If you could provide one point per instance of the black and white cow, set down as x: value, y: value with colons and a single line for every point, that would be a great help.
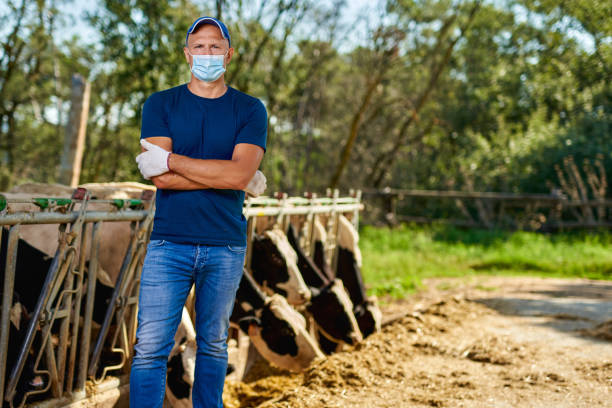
x: 274, y: 327
x: 330, y: 305
x: 276, y: 330
x: 348, y: 270
x: 274, y: 266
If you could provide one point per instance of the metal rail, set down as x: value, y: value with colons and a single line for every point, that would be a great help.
x: 58, y: 218
x: 94, y: 216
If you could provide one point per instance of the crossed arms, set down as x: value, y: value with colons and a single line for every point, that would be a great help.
x: 185, y: 173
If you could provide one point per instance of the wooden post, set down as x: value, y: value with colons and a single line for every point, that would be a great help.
x: 70, y: 167
x: 391, y: 215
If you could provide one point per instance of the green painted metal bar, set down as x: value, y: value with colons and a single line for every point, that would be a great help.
x: 51, y: 202
x: 3, y: 203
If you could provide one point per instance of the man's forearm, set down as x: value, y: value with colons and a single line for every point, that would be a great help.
x: 222, y: 174
x: 174, y: 181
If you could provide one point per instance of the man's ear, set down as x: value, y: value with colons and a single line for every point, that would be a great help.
x: 230, y: 54
x: 186, y: 52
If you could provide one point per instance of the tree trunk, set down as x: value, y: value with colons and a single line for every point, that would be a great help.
x: 381, y: 164
x: 355, y: 124
x: 220, y: 9
x: 70, y: 168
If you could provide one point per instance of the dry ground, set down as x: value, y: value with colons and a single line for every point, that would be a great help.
x: 489, y: 342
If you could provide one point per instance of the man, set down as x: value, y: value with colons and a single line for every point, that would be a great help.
x: 202, y: 141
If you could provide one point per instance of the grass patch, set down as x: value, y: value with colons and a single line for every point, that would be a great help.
x: 396, y: 260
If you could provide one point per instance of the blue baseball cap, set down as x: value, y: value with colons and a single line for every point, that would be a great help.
x: 213, y: 21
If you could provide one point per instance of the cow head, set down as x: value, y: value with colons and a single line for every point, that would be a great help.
x: 329, y: 304
x: 279, y: 334
x: 274, y: 266
x: 332, y: 310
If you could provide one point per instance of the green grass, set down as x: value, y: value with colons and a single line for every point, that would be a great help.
x: 396, y: 260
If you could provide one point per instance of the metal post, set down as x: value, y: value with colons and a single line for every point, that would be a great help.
x: 66, y: 305
x: 89, y: 304
x: 77, y: 308
x: 7, y: 300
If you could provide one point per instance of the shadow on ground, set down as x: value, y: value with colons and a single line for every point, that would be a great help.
x: 582, y: 309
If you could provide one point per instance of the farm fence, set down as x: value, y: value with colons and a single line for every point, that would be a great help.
x: 539, y: 212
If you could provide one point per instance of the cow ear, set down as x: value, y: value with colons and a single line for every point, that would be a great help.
x: 245, y: 322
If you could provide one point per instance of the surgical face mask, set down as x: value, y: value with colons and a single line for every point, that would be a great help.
x: 208, y: 68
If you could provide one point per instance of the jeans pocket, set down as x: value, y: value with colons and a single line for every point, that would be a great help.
x: 237, y: 249
x: 156, y: 243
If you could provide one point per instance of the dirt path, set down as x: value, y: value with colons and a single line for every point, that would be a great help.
x: 490, y: 342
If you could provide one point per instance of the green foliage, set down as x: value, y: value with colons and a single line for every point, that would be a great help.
x: 440, y: 93
x: 396, y: 260
x: 31, y: 67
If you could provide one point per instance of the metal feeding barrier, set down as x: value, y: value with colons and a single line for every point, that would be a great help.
x: 59, y: 345
x: 59, y: 303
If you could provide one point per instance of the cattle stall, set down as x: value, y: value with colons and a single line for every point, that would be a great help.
x: 68, y: 320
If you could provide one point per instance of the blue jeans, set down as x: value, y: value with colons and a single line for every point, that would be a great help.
x: 168, y: 272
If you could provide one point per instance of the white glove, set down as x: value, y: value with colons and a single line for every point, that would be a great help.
x: 257, y: 185
x: 152, y: 162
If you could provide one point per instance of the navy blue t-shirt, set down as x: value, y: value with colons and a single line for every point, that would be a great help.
x: 203, y: 128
